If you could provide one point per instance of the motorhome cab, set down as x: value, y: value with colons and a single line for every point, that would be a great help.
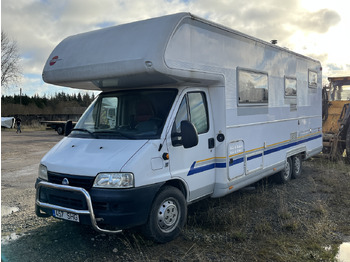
x: 189, y: 109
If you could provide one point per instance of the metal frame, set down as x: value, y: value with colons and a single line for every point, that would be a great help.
x: 80, y: 190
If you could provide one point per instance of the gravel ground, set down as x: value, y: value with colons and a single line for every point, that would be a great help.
x: 268, y: 222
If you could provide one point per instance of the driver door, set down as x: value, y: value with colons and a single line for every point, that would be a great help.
x: 195, y: 165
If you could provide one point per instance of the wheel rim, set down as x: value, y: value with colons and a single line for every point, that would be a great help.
x: 168, y: 215
x: 297, y: 164
x: 287, y: 170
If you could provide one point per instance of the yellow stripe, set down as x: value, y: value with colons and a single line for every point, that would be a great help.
x: 285, y: 141
x: 236, y: 154
x: 199, y: 161
x: 259, y: 148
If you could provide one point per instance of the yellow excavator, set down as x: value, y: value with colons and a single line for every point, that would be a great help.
x: 336, y: 118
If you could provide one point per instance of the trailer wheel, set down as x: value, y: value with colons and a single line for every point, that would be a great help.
x: 297, y: 166
x: 60, y: 130
x: 167, y: 216
x: 285, y: 175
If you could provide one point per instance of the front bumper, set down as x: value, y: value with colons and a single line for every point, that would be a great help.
x: 120, y: 208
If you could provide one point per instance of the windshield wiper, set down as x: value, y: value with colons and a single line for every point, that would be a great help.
x: 84, y: 130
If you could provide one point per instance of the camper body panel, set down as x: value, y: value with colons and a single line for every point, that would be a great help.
x: 262, y: 135
x: 253, y: 106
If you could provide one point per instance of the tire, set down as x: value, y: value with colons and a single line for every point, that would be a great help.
x: 60, y: 130
x: 167, y: 216
x: 285, y: 175
x: 296, y: 166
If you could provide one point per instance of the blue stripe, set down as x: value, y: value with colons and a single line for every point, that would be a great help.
x: 255, y: 156
x: 200, y: 169
x: 236, y: 161
x: 196, y: 170
x: 220, y: 165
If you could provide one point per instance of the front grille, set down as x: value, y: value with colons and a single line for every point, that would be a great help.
x: 63, y: 198
x: 77, y: 181
x: 70, y: 199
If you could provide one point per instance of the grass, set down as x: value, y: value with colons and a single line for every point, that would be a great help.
x: 292, y: 222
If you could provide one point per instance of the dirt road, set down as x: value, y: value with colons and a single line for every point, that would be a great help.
x: 305, y: 220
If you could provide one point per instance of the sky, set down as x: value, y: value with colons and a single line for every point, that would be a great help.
x: 315, y: 28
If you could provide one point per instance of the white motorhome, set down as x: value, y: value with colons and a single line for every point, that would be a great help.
x: 189, y: 109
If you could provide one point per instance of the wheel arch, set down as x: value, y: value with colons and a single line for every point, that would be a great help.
x: 179, y: 184
x: 298, y: 151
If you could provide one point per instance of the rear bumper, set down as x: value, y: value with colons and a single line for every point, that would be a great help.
x: 120, y: 208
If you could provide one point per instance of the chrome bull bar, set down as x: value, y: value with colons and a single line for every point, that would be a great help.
x: 80, y: 190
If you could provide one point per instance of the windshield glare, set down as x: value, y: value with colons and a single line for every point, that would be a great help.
x: 137, y: 114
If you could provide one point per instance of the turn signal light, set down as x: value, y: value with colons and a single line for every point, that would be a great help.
x: 166, y: 156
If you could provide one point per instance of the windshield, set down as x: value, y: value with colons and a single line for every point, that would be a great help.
x: 136, y: 114
x: 340, y: 93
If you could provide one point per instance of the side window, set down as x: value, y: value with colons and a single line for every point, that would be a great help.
x: 252, y: 87
x: 290, y: 87
x: 181, y: 115
x: 312, y: 79
x: 199, y: 112
x: 193, y: 108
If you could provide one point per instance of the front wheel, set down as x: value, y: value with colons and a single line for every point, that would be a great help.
x: 167, y: 216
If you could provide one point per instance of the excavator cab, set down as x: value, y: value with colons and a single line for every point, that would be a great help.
x: 336, y: 118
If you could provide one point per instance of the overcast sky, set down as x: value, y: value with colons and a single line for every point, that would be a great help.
x: 316, y: 28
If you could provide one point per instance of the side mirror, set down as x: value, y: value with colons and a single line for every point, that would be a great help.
x: 188, y: 136
x: 68, y: 127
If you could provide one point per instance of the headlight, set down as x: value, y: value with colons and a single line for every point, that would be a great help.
x: 114, y: 180
x: 42, y: 172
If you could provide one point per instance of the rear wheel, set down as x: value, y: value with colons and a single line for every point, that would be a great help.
x: 167, y: 216
x: 285, y: 175
x: 60, y: 130
x: 297, y: 166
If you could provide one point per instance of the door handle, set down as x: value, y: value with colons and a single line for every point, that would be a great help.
x: 211, y: 143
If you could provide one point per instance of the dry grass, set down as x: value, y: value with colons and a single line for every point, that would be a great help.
x: 293, y: 222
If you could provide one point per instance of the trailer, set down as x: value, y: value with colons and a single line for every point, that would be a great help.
x: 8, y: 122
x: 189, y: 109
x: 58, y: 126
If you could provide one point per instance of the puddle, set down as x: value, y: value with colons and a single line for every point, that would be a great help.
x: 6, y: 210
x: 344, y: 252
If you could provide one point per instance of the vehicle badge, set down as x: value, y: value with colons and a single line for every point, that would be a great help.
x: 65, y: 181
